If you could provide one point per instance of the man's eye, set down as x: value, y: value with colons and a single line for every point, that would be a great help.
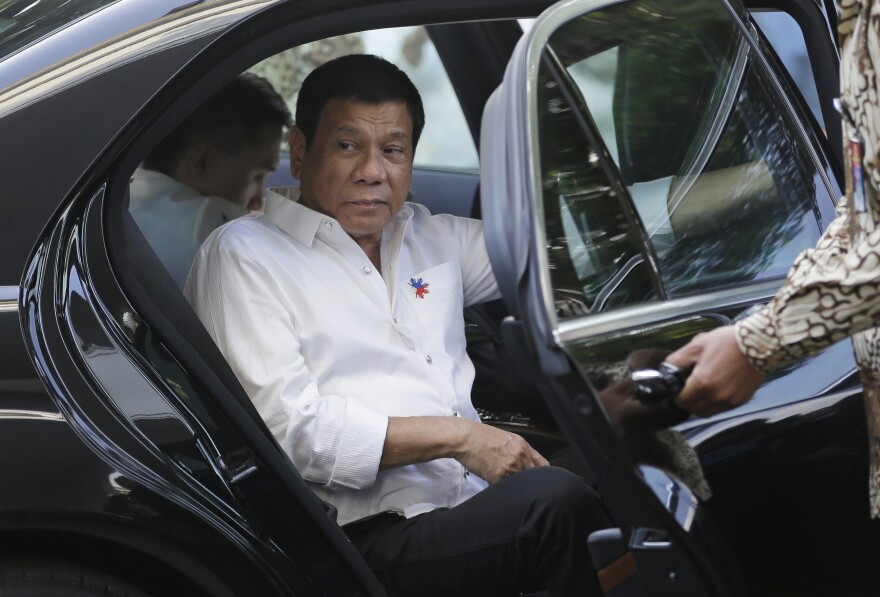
x: 393, y: 150
x: 345, y: 145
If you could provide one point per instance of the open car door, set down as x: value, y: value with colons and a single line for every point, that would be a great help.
x: 648, y: 174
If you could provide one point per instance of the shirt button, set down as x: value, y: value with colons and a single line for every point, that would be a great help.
x: 455, y: 413
x: 466, y: 473
x: 429, y: 359
x: 328, y: 224
x: 367, y: 269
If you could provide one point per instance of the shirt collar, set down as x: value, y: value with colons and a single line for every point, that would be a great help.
x: 284, y: 210
x: 302, y: 223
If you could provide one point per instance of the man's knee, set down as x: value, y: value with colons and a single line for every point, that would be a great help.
x: 559, y: 494
x: 556, y: 484
x: 553, y: 533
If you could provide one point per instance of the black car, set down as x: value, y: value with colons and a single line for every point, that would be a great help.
x: 647, y: 170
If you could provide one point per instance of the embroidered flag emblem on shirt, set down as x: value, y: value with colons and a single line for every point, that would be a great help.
x: 420, y: 286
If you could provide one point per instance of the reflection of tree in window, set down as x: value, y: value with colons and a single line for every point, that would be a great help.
x: 691, y: 121
x: 770, y: 191
x: 286, y: 71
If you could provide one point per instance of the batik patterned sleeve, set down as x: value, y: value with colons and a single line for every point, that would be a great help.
x: 833, y: 290
x: 805, y: 315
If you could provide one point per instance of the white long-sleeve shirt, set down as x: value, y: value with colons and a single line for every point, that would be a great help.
x: 328, y: 349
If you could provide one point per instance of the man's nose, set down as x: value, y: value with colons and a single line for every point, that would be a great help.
x: 371, y: 168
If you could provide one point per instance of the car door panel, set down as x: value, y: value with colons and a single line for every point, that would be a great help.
x: 589, y: 279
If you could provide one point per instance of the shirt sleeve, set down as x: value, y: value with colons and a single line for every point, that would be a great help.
x: 832, y: 291
x: 334, y: 441
x: 477, y: 276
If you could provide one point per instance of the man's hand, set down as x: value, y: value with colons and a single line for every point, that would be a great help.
x: 490, y: 453
x: 721, y: 377
x: 493, y: 454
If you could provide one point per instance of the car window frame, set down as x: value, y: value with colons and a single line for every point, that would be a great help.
x: 572, y: 330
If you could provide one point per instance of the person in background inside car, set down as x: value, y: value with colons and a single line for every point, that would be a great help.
x: 833, y: 290
x: 209, y: 170
x: 340, y: 311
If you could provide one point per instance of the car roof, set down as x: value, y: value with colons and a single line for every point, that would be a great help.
x: 95, y: 28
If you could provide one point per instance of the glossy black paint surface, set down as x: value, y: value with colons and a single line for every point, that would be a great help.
x: 791, y: 493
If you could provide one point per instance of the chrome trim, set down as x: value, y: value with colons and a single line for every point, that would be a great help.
x: 30, y: 414
x: 9, y: 298
x: 242, y: 472
x: 652, y: 313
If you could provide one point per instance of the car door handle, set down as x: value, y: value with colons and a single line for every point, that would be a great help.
x: 656, y: 385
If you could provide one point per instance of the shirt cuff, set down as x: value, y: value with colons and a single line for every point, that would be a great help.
x: 757, y: 340
x: 360, y: 447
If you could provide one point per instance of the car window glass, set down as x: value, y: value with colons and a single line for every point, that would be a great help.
x: 723, y: 184
x: 25, y: 21
x: 446, y: 142
x: 594, y: 251
x: 787, y: 39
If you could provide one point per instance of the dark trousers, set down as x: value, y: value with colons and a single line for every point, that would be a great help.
x: 527, y: 532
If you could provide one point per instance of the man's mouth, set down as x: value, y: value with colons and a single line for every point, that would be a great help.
x: 368, y: 202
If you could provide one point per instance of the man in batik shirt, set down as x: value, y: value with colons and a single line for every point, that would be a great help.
x: 833, y: 290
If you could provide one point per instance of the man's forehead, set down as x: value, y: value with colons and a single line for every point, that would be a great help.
x: 348, y: 114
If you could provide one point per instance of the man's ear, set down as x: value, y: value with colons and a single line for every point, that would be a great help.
x: 297, y: 143
x: 198, y: 160
x: 192, y: 165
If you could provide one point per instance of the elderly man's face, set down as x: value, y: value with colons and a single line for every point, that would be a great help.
x: 358, y: 167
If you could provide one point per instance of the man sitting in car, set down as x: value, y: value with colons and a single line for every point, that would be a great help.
x: 340, y: 311
x: 209, y: 170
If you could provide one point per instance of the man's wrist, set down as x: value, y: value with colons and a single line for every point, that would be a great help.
x: 459, y: 434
